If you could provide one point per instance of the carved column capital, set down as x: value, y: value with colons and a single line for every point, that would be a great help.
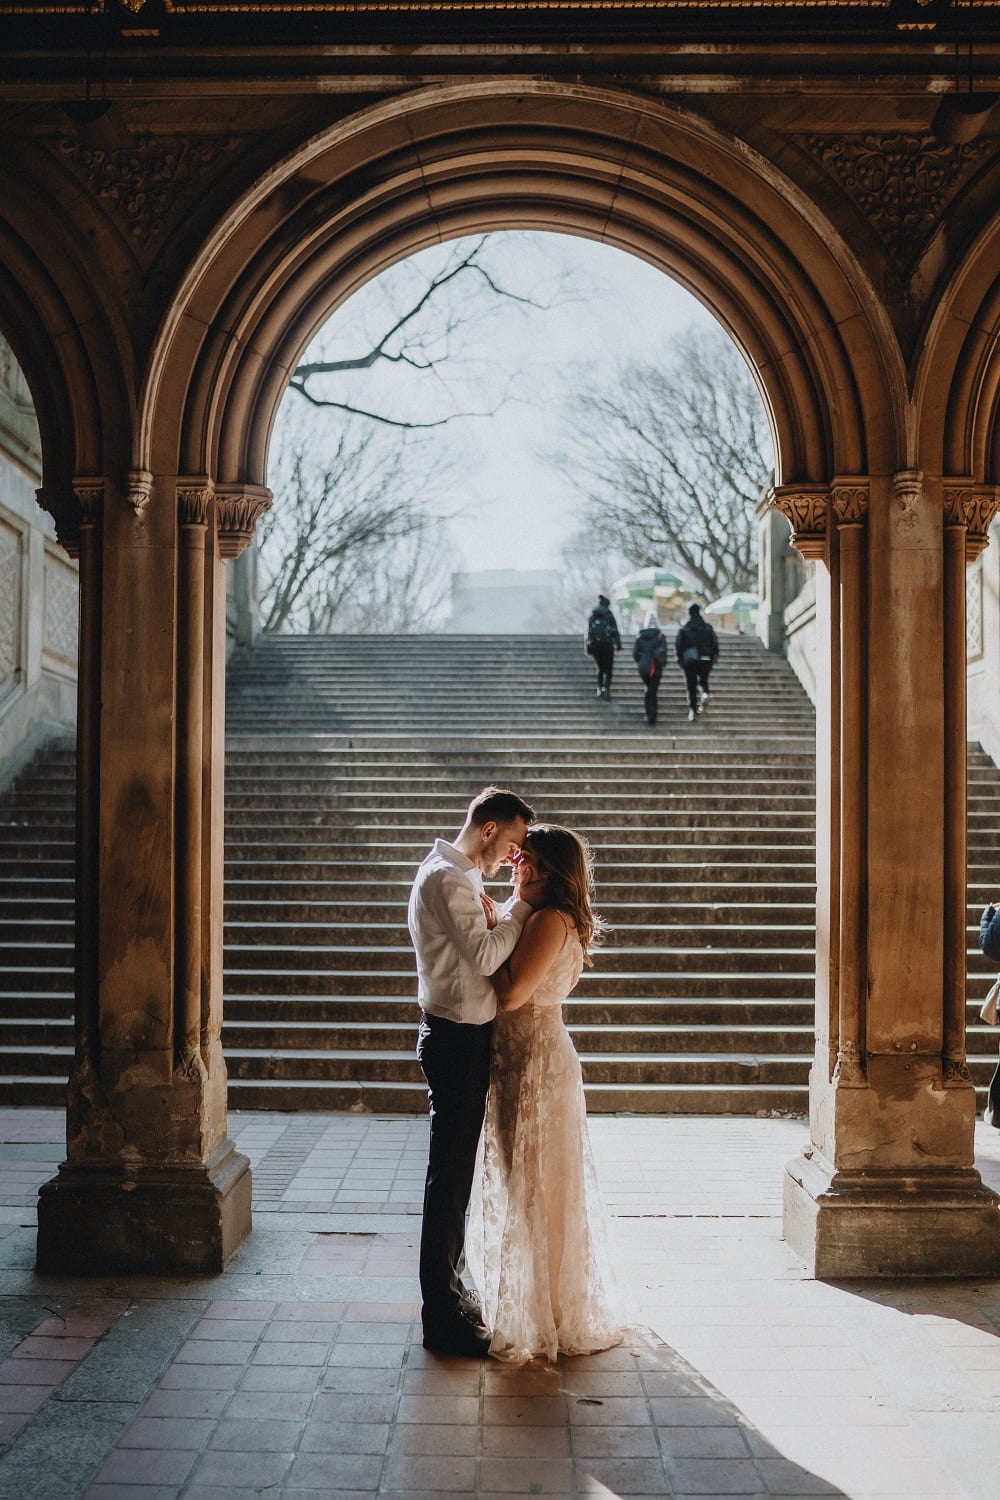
x: 74, y: 508
x: 194, y: 501
x: 805, y: 508
x: 139, y: 489
x: 974, y: 507
x: 238, y: 508
x: 849, y: 499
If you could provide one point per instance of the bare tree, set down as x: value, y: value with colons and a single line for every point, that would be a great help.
x: 671, y: 459
x: 585, y: 571
x: 413, y: 328
x: 335, y: 524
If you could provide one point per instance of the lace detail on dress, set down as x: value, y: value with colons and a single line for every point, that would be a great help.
x: 537, y: 1240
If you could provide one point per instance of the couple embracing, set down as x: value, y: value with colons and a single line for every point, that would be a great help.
x: 508, y: 1124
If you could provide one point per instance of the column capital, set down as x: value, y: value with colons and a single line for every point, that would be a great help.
x: 194, y: 500
x: 849, y: 496
x: 973, y: 506
x: 74, y: 507
x: 238, y: 508
x: 805, y: 507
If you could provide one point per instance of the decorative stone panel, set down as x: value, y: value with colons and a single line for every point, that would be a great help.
x: 11, y: 555
x: 974, y: 610
x: 60, y: 640
x: 901, y: 183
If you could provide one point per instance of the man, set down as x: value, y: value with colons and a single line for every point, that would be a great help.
x: 697, y: 649
x: 460, y: 938
x: 601, y: 643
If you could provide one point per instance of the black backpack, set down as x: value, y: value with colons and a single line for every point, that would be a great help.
x: 600, y: 632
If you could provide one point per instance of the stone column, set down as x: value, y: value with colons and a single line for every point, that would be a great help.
x: 151, y: 1182
x: 887, y: 1186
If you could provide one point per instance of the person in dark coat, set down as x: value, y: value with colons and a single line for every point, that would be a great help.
x: 989, y: 942
x: 697, y: 652
x: 601, y: 643
x: 649, y: 652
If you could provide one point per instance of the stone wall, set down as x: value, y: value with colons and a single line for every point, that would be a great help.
x: 39, y: 595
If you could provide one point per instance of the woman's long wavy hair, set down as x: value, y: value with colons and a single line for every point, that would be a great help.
x: 564, y: 862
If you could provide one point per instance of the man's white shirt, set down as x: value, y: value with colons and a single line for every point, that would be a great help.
x: 456, y: 950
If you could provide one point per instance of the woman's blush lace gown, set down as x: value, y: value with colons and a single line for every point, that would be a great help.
x: 538, y: 1237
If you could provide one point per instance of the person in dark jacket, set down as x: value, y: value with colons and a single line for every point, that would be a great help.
x: 601, y: 643
x: 989, y: 942
x: 697, y: 652
x: 649, y: 651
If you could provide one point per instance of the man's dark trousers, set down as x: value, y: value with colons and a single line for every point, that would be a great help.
x: 456, y: 1063
x: 696, y: 673
x: 603, y: 658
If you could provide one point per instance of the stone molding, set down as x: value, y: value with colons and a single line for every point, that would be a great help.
x: 805, y: 507
x: 238, y: 508
x: 194, y: 501
x: 849, y: 1071
x: 974, y: 507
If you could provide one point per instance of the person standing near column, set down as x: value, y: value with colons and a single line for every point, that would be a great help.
x: 460, y: 938
x: 602, y: 641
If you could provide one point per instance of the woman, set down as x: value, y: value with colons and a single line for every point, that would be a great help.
x: 649, y: 651
x: 538, y: 1231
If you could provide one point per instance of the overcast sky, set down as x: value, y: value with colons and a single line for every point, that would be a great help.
x: 513, y: 509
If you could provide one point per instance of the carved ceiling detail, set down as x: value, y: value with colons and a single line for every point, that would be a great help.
x: 143, y: 181
x: 901, y: 183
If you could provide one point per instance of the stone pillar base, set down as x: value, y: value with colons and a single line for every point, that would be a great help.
x: 169, y: 1220
x: 890, y: 1223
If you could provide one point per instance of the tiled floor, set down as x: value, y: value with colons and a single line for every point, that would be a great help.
x: 298, y: 1374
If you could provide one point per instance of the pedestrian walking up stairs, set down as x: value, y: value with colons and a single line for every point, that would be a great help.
x: 700, y: 1000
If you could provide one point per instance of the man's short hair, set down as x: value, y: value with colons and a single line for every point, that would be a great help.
x: 494, y: 804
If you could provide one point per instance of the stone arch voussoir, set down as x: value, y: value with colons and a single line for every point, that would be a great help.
x: 442, y: 163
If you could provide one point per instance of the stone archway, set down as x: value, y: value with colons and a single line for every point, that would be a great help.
x: 892, y: 1103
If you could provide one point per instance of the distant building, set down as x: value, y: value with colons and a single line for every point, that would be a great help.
x: 509, y: 601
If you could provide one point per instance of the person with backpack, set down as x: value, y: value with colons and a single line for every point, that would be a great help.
x: 697, y: 651
x: 601, y: 643
x: 649, y: 652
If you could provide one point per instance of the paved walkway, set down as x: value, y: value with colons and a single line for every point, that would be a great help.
x: 299, y: 1375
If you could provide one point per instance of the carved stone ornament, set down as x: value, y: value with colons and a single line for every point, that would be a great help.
x: 901, y: 183
x: 194, y: 499
x: 73, y: 508
x: 849, y: 498
x: 907, y: 488
x: 144, y: 182
x: 974, y: 507
x: 140, y: 489
x: 805, y: 508
x: 955, y: 1070
x: 238, y: 508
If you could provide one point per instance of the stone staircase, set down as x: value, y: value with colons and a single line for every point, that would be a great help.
x: 701, y: 998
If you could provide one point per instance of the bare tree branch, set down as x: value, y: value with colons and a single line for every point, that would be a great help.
x: 671, y: 460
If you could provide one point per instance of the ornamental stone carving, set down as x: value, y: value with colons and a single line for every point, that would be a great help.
x: 907, y: 488
x: 974, y: 507
x: 850, y: 1069
x: 73, y: 508
x: 144, y: 182
x: 805, y: 508
x: 194, y: 499
x: 901, y: 183
x: 849, y: 499
x: 140, y: 489
x: 238, y: 508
